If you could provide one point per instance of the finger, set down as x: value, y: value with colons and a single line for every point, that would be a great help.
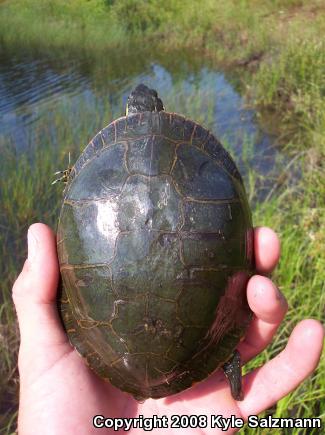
x: 269, y: 307
x: 266, y: 385
x: 34, y: 292
x: 266, y: 249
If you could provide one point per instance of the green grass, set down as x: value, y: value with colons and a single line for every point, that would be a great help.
x: 230, y: 30
x: 78, y: 25
x: 278, y: 52
x: 301, y: 277
x: 295, y: 86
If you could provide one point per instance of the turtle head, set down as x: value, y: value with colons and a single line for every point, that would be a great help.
x: 143, y: 99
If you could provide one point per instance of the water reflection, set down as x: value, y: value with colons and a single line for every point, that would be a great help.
x: 31, y: 89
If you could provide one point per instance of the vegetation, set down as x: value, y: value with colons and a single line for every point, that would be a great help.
x: 277, y: 50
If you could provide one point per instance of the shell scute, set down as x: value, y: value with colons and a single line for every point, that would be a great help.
x: 208, y: 250
x: 199, y: 135
x: 133, y: 368
x: 172, y: 126
x: 155, y: 247
x: 88, y: 237
x: 90, y: 292
x: 196, y: 176
x: 224, y: 219
x: 150, y: 155
x: 155, y: 271
x: 129, y: 315
x: 108, y: 134
x: 103, y: 178
x: 153, y: 205
x: 218, y: 152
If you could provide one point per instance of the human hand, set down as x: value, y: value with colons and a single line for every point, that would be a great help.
x: 59, y: 394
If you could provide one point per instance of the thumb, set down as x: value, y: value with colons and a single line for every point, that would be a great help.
x: 34, y: 294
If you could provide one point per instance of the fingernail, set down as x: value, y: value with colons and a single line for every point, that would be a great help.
x: 32, y: 245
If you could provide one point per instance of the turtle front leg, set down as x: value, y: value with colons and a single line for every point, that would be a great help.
x: 64, y: 178
x: 65, y: 174
x: 232, y: 370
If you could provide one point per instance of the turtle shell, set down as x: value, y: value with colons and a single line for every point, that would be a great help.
x: 155, y: 248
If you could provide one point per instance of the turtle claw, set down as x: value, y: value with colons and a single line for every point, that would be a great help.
x: 232, y: 370
x: 56, y: 181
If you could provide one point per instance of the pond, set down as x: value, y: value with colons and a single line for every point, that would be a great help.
x: 31, y: 88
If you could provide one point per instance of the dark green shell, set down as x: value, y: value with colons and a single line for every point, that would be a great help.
x: 155, y: 248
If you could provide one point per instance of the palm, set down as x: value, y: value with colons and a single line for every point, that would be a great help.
x: 57, y: 387
x: 73, y: 392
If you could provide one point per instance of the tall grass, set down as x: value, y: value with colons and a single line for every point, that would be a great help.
x: 300, y: 275
x: 295, y: 85
x: 77, y: 25
x: 231, y: 30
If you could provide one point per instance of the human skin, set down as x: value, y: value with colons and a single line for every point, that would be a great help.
x: 59, y: 394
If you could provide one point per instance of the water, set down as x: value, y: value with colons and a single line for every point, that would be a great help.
x: 30, y: 88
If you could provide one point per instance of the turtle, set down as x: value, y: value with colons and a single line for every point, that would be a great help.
x: 155, y: 245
